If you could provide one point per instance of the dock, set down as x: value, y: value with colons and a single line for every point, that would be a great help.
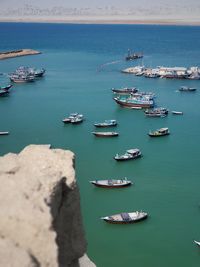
x: 18, y: 53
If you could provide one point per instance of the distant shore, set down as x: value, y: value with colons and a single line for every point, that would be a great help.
x: 18, y: 53
x: 93, y: 20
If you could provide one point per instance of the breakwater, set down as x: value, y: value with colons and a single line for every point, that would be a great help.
x: 18, y: 53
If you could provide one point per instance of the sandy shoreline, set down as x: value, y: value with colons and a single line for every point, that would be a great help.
x: 18, y: 53
x: 106, y: 21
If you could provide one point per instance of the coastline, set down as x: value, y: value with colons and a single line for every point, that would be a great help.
x: 18, y: 53
x: 105, y: 21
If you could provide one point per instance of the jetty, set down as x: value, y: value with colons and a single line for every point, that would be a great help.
x: 18, y: 53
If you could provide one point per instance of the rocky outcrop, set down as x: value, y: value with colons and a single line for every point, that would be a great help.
x: 40, y: 214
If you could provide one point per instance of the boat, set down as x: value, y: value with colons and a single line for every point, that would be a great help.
x: 135, y: 101
x: 39, y: 72
x: 197, y: 242
x: 156, y: 112
x: 5, y: 88
x: 105, y: 134
x: 125, y: 91
x: 4, y: 133
x: 129, y: 154
x: 73, y: 118
x: 187, y: 89
x: 159, y: 132
x: 22, y: 78
x: 132, y: 56
x: 112, y: 183
x: 126, y: 217
x: 106, y: 123
x: 177, y: 112
x: 4, y: 93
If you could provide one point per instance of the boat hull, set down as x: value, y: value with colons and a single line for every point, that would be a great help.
x: 133, y: 105
x: 111, y: 186
x: 125, y: 222
x: 105, y: 135
x: 157, y: 135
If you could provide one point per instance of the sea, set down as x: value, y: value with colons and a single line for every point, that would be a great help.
x: 83, y: 63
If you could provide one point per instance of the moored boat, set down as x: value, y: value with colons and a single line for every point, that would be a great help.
x: 124, y: 91
x: 133, y: 101
x: 126, y: 217
x: 73, y: 118
x: 112, y: 183
x: 156, y: 112
x: 129, y: 155
x: 197, y: 242
x: 159, y: 132
x: 105, y: 134
x: 106, y: 123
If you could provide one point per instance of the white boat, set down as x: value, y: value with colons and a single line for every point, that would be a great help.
x: 130, y: 154
x: 126, y: 217
x: 177, y: 112
x: 112, y: 183
x: 105, y: 134
x: 197, y: 242
x: 4, y: 133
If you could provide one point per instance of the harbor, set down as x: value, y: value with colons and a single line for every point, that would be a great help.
x: 165, y: 177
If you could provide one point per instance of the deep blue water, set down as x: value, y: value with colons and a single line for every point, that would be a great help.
x: 83, y: 63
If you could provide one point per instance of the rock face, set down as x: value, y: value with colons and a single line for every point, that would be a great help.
x: 40, y: 213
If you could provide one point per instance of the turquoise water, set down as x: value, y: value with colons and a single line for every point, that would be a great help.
x: 79, y: 79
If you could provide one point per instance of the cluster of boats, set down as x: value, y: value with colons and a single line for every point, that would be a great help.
x: 192, y: 73
x: 26, y: 74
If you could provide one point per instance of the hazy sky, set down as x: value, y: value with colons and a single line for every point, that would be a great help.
x: 94, y: 3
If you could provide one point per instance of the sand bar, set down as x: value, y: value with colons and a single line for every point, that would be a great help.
x: 18, y: 53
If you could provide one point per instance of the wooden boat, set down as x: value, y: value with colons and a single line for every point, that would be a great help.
x: 106, y: 123
x: 4, y: 133
x: 197, y: 242
x: 129, y: 155
x: 156, y: 112
x: 159, y: 132
x: 105, y: 134
x: 187, y: 89
x: 134, y: 102
x: 177, y: 112
x: 22, y: 78
x: 126, y: 217
x: 112, y: 183
x: 73, y: 118
x: 125, y: 91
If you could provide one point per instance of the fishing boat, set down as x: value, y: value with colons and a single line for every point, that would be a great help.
x: 22, y: 78
x: 105, y: 134
x: 39, y: 72
x: 135, y: 101
x: 156, y: 112
x: 187, y: 89
x: 73, y: 118
x: 132, y: 56
x: 177, y: 112
x: 112, y: 183
x: 125, y: 91
x: 159, y: 132
x: 129, y: 155
x: 4, y: 133
x: 197, y: 242
x: 126, y: 217
x: 106, y: 123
